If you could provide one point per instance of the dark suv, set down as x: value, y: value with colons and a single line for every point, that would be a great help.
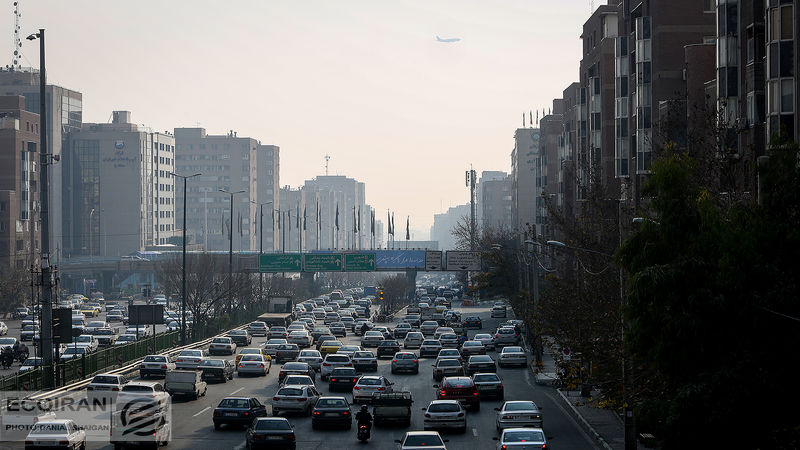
x: 388, y: 348
x: 473, y: 322
x: 462, y: 389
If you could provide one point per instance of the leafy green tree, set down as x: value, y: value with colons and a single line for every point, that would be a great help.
x: 712, y: 309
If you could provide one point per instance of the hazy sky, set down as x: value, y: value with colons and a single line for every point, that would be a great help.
x: 363, y: 81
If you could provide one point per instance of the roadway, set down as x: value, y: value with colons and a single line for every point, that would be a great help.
x: 193, y: 428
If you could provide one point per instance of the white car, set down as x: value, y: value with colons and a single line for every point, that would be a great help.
x: 253, y: 364
x: 258, y: 329
x: 94, y: 325
x: 429, y: 347
x: 295, y: 398
x: 31, y: 363
x: 368, y: 385
x: 499, y: 311
x: 333, y: 361
x: 88, y: 340
x: 150, y: 390
x: 449, y: 340
x: 173, y: 326
x: 271, y: 346
x: 157, y: 365
x: 105, y: 386
x: 518, y: 413
x: 125, y: 339
x: 429, y: 327
x: 512, y: 356
x: 63, y: 431
x: 299, y: 337
x: 189, y: 359
x: 311, y: 357
x: 73, y: 351
x: 372, y: 338
x: 222, y: 346
x: 442, y: 330
x: 442, y: 414
x: 413, y: 339
x: 421, y: 440
x: 140, y: 331
x: 505, y: 336
x: 485, y: 339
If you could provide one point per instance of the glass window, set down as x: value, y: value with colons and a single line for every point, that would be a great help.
x: 786, y: 58
x: 787, y: 96
x: 774, y: 25
x: 787, y: 29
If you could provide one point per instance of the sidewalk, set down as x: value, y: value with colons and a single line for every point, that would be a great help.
x: 604, y: 425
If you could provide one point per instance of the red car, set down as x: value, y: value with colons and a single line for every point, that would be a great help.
x: 462, y: 389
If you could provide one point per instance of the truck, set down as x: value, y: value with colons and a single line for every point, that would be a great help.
x: 392, y: 408
x: 187, y: 383
x: 282, y: 319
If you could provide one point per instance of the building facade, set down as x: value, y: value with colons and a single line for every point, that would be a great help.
x: 445, y: 223
x: 494, y: 200
x: 64, y: 115
x: 523, y: 179
x: 20, y: 230
x: 121, y: 194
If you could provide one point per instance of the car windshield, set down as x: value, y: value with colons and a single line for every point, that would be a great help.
x: 434, y: 343
x: 423, y: 440
x: 295, y: 366
x: 472, y: 344
x: 196, y: 353
x: 480, y: 359
x: 155, y: 358
x: 405, y: 356
x: 343, y: 371
x: 363, y: 355
x: 512, y: 350
x: 523, y: 436
x: 32, y: 362
x: 49, y: 428
x: 276, y: 341
x: 239, y: 403
x: 389, y: 344
x: 105, y: 379
x: 250, y: 351
x: 221, y: 341
x: 137, y: 388
x: 75, y: 351
x: 521, y: 406
x: 369, y: 382
x: 238, y: 333
x: 212, y: 363
x: 449, y: 336
x: 444, y: 407
x: 449, y: 353
x: 331, y: 403
x: 337, y: 359
x: 486, y: 377
x: 272, y: 424
x: 251, y: 358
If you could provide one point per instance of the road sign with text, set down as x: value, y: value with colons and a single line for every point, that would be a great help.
x: 359, y: 262
x: 469, y: 261
x: 433, y: 260
x: 322, y: 262
x: 280, y: 262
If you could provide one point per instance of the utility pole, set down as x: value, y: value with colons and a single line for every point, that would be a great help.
x: 48, y: 272
x: 230, y: 248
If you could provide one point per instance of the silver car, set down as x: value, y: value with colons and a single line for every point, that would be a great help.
x: 253, y: 364
x: 512, y: 356
x: 518, y: 413
x: 372, y: 338
x: 445, y: 414
x: 485, y: 339
x: 405, y: 362
x: 311, y: 357
x: 521, y: 439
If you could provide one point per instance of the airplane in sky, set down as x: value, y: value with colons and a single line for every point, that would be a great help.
x: 438, y: 39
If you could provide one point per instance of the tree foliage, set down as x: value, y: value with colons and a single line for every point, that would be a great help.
x: 712, y: 309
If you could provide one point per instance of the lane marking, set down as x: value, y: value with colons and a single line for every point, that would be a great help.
x: 238, y: 390
x: 202, y: 411
x: 475, y: 432
x: 239, y: 447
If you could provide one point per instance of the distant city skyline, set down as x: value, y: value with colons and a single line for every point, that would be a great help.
x: 365, y: 82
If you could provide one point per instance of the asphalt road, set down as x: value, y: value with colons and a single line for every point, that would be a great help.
x: 193, y: 428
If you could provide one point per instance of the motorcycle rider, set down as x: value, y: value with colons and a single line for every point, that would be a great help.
x: 363, y: 417
x: 7, y: 357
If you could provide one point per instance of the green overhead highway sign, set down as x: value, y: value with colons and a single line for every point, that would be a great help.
x: 280, y: 262
x: 359, y: 262
x: 322, y: 262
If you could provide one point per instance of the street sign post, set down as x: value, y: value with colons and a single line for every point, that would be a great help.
x: 280, y: 262
x: 463, y: 261
x: 359, y: 262
x: 433, y: 260
x: 322, y: 262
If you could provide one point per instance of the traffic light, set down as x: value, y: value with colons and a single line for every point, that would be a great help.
x: 62, y: 325
x: 380, y: 295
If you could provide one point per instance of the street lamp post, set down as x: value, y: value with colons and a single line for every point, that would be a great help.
x: 91, y: 244
x: 261, y: 247
x: 183, y: 266
x: 230, y: 248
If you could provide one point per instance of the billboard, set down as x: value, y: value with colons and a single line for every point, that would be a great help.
x: 145, y: 314
x: 400, y: 259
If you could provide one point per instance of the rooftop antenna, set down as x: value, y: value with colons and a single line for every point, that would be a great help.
x: 327, y: 158
x: 15, y: 57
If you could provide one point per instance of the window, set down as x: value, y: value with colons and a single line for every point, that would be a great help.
x: 708, y: 6
x: 787, y: 96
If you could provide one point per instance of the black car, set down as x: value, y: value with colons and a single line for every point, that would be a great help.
x: 238, y: 411
x: 271, y: 432
x: 342, y: 378
x: 240, y: 337
x: 331, y: 411
x: 480, y: 363
x: 287, y: 352
x: 388, y: 348
x: 296, y: 368
x: 216, y: 369
x: 473, y: 322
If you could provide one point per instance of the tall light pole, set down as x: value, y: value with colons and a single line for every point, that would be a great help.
x: 91, y: 244
x: 47, y: 271
x: 183, y: 265
x: 261, y: 247
x: 230, y: 248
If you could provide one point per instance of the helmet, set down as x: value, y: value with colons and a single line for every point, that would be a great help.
x: 364, y: 408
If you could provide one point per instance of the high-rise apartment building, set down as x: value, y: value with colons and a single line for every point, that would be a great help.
x: 548, y: 167
x: 293, y: 205
x: 445, y: 223
x: 494, y: 200
x: 120, y: 195
x: 348, y: 197
x: 523, y: 179
x: 20, y: 232
x: 64, y: 115
x: 227, y: 163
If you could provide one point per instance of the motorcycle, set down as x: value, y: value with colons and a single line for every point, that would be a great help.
x: 363, y: 433
x: 7, y: 360
x: 20, y: 356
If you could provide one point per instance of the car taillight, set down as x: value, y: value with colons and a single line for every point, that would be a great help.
x: 301, y: 400
x: 28, y: 442
x: 346, y: 413
x: 89, y: 388
x: 163, y: 367
x: 245, y: 413
x: 333, y: 379
x: 141, y: 366
x: 291, y: 437
x: 348, y: 364
x: 394, y: 360
x: 63, y: 442
x: 442, y: 393
x: 316, y: 413
x: 116, y: 389
x: 216, y: 413
x: 381, y: 388
x: 503, y: 447
x: 357, y: 388
x: 258, y: 437
x: 275, y: 398
x: 427, y: 415
x: 241, y: 365
x: 354, y: 380
x: 415, y: 360
x: 325, y: 364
